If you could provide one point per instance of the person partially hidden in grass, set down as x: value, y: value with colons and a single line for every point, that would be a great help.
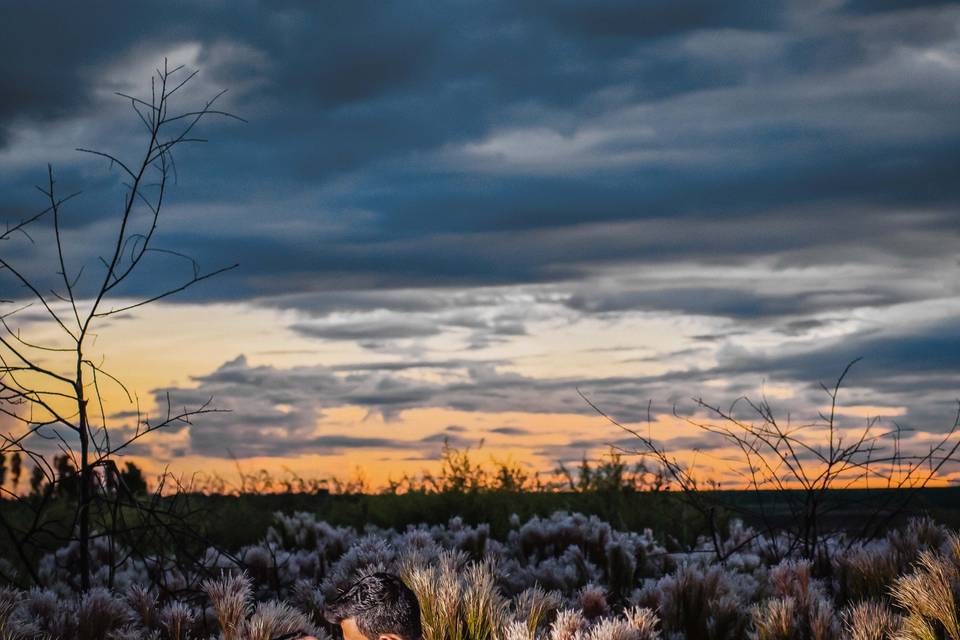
x: 376, y: 607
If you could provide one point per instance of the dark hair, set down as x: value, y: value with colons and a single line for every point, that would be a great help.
x: 379, y: 603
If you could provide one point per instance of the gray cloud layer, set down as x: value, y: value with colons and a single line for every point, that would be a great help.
x: 474, y: 168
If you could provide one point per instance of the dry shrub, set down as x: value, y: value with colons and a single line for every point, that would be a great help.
x: 537, y: 608
x: 775, y: 620
x: 929, y: 595
x: 131, y: 632
x: 438, y: 588
x: 700, y: 603
x: 275, y: 618
x: 178, y: 619
x: 9, y: 601
x: 516, y: 630
x: 232, y: 600
x: 46, y: 615
x: 569, y: 624
x: 822, y: 620
x: 870, y: 620
x: 636, y: 624
x: 310, y: 600
x: 785, y: 619
x: 100, y: 613
x: 920, y: 534
x: 612, y: 629
x: 144, y: 602
x: 644, y: 621
x: 866, y: 571
x: 460, y: 600
x: 621, y: 566
x: 501, y: 596
x: 799, y: 608
x: 484, y: 608
x: 726, y: 620
x: 593, y: 601
x: 449, y: 596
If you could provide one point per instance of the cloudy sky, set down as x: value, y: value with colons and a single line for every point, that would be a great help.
x: 451, y: 217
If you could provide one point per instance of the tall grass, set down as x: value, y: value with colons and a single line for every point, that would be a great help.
x: 930, y: 594
x: 549, y: 579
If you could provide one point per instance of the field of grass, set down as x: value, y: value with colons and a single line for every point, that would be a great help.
x: 243, y: 519
x: 617, y: 565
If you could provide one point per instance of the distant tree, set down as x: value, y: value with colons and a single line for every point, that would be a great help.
x: 66, y: 482
x: 132, y: 479
x: 611, y: 474
x: 510, y: 477
x: 37, y: 481
x: 16, y: 469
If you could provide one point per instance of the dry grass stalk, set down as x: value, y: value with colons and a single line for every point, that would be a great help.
x: 568, y: 625
x: 99, y: 613
x: 9, y: 601
x: 774, y: 619
x: 644, y: 621
x: 927, y: 595
x: 232, y: 599
x: 178, y: 619
x: 822, y: 620
x: 275, y: 618
x: 870, y: 620
x: 439, y: 589
x: 144, y: 602
x: 484, y: 608
x: 537, y: 608
x: 516, y: 630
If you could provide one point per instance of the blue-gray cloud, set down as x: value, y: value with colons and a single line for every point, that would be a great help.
x: 713, y: 111
x: 779, y: 170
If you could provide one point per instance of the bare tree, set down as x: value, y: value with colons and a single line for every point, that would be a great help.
x: 796, y: 471
x: 52, y: 391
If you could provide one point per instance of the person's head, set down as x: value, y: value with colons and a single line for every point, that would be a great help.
x: 376, y: 607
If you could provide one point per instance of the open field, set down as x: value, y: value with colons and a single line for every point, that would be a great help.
x: 243, y: 519
x: 232, y: 521
x: 509, y: 566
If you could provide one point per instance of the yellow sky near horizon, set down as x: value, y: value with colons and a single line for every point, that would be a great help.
x: 169, y: 346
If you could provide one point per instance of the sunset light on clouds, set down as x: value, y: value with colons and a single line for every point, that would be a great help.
x: 451, y: 224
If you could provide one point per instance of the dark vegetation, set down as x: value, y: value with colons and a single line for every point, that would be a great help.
x: 628, y: 496
x: 238, y: 520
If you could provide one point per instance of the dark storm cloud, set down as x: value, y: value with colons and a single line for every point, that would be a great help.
x: 734, y: 303
x: 886, y: 6
x: 387, y: 95
x: 407, y: 161
x: 606, y: 19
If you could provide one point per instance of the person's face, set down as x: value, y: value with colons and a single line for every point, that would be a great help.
x: 352, y: 632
